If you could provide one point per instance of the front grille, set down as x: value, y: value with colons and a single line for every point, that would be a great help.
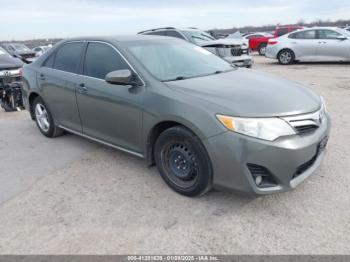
x: 8, y: 80
x: 307, y: 123
x: 25, y: 56
x: 236, y: 51
x: 306, y: 129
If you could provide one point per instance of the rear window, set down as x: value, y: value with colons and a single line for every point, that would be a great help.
x: 49, y: 61
x: 282, y: 31
x: 311, y: 34
x: 68, y: 57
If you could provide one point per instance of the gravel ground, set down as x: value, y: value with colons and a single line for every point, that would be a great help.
x: 72, y: 196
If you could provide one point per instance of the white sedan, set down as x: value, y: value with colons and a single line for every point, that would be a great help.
x: 318, y: 44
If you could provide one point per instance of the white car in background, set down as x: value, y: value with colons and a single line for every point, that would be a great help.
x: 317, y: 44
x: 40, y: 50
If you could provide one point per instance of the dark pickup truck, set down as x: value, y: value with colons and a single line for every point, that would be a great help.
x: 10, y: 81
x: 20, y: 51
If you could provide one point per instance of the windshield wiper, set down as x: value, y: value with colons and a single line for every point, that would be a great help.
x: 175, y: 79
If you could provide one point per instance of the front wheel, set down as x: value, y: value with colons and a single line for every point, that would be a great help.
x: 183, y: 162
x: 286, y: 57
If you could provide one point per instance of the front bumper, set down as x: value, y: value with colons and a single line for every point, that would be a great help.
x: 272, y: 51
x: 240, y: 61
x: 231, y: 153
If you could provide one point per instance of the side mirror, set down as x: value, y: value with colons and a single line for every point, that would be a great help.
x: 120, y: 77
x: 341, y: 37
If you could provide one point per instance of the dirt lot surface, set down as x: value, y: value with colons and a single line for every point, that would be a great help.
x: 72, y: 196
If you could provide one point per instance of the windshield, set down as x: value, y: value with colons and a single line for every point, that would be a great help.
x: 20, y: 47
x: 3, y: 52
x: 345, y: 32
x: 177, y: 60
x: 198, y: 37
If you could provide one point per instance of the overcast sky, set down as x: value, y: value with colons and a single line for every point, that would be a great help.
x: 27, y: 19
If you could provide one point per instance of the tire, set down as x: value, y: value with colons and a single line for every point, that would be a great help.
x: 262, y: 49
x: 44, y: 119
x: 183, y: 162
x: 286, y: 57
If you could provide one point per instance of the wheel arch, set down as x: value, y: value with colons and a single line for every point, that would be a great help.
x: 32, y: 96
x: 160, y: 127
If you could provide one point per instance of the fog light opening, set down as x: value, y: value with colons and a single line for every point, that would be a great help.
x: 258, y: 180
x: 261, y: 176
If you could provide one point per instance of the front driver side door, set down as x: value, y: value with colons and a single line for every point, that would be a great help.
x: 304, y: 45
x: 111, y: 113
x: 331, y: 48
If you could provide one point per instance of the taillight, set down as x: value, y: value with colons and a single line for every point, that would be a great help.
x: 272, y: 42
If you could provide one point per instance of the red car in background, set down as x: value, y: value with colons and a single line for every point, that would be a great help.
x: 258, y: 41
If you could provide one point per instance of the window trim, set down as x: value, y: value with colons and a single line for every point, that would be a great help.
x: 319, y: 34
x: 121, y: 55
x: 82, y: 60
x: 176, y: 31
x: 298, y: 32
x: 79, y: 64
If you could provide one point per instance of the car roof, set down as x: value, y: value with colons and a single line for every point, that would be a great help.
x: 171, y: 28
x: 117, y: 38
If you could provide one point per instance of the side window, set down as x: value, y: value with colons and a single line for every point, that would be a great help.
x: 282, y: 31
x: 68, y: 57
x: 311, y: 34
x: 10, y: 48
x: 254, y: 36
x: 328, y: 34
x: 173, y: 33
x: 49, y: 61
x: 102, y: 59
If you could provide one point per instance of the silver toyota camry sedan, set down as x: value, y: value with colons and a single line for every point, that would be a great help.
x: 317, y: 44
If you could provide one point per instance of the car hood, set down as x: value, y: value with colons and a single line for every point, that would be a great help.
x: 8, y: 62
x: 225, y: 41
x: 249, y: 93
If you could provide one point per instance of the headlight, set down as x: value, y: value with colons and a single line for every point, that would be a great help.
x: 263, y: 128
x: 324, y: 108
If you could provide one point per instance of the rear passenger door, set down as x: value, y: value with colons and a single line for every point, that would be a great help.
x: 304, y: 45
x: 111, y: 113
x: 57, y: 80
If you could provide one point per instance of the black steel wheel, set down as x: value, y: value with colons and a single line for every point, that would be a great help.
x: 183, y: 161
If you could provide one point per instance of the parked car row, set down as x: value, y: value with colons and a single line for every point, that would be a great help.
x: 235, y: 51
x: 259, y: 41
x: 318, y: 44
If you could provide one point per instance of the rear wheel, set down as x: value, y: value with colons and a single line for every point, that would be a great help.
x: 286, y: 57
x: 262, y: 49
x: 183, y: 162
x: 44, y: 120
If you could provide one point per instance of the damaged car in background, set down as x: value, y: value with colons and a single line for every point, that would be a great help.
x: 20, y: 51
x: 235, y: 51
x: 10, y: 82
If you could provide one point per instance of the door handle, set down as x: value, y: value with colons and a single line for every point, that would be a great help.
x: 42, y: 77
x: 82, y: 88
